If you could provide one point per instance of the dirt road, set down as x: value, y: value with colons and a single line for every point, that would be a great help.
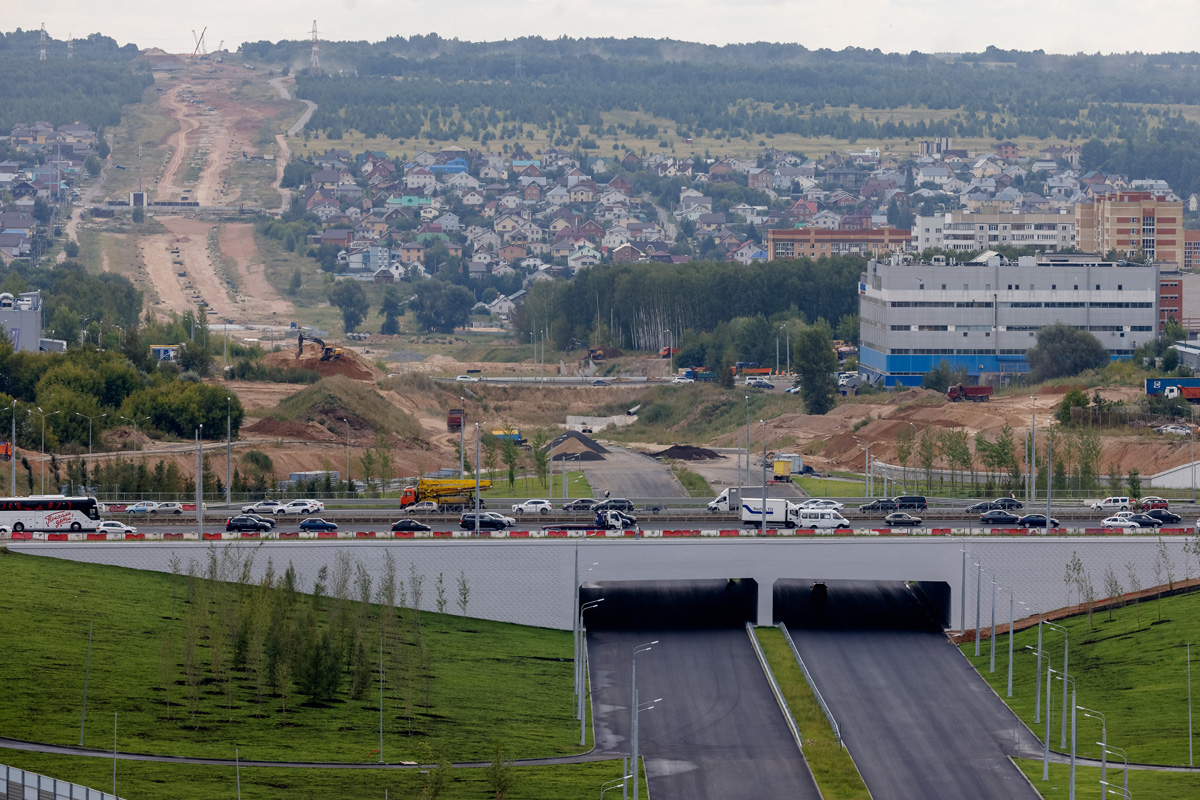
x: 285, y: 151
x: 260, y: 299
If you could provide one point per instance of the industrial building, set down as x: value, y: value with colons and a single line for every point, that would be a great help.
x: 21, y: 318
x: 982, y: 315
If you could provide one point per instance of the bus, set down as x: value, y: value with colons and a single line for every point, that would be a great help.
x: 52, y: 513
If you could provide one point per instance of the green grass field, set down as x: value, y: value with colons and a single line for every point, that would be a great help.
x: 830, y: 487
x: 1131, y: 668
x: 1142, y: 783
x: 831, y: 764
x: 487, y: 680
x: 695, y: 484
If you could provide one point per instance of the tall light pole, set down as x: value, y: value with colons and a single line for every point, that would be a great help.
x: 462, y: 462
x: 1066, y: 654
x: 347, y: 457
x: 1121, y: 754
x: 43, y: 414
x: 747, y: 440
x: 633, y: 733
x: 228, y: 449
x: 1092, y: 714
x: 583, y: 669
x: 12, y: 467
x: 89, y: 419
x: 763, y: 521
x: 670, y: 353
x: 135, y: 421
x: 978, y: 598
x: 1062, y: 676
x: 200, y: 481
x: 1032, y: 450
x: 476, y: 480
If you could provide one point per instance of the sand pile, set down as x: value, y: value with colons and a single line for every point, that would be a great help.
x: 686, y: 452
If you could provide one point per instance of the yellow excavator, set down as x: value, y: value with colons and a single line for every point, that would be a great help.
x: 328, y: 353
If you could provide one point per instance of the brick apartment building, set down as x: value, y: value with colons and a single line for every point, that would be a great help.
x: 822, y: 242
x: 1132, y: 222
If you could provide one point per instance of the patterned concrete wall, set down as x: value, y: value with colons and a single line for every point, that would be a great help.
x: 529, y: 582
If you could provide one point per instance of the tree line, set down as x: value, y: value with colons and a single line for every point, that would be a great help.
x: 62, y: 91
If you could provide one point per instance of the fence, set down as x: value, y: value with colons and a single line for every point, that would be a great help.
x: 25, y: 785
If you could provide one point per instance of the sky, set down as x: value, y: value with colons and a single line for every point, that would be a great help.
x: 1057, y: 26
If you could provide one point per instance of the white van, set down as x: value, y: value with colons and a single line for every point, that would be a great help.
x: 1113, y: 503
x: 821, y: 518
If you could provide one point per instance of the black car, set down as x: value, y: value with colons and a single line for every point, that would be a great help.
x: 580, y: 504
x: 317, y: 524
x: 488, y: 521
x: 270, y: 523
x: 1036, y: 521
x: 244, y: 522
x: 1164, y: 516
x: 614, y: 504
x: 410, y: 525
x: 884, y: 505
x: 1145, y: 520
x: 1001, y: 504
x: 911, y: 502
x: 999, y: 516
x: 901, y: 518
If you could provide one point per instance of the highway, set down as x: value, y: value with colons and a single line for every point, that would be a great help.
x: 914, y: 715
x: 717, y: 732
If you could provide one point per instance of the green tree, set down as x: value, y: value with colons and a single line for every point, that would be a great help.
x: 1062, y: 350
x: 139, y: 215
x: 510, y: 455
x: 943, y: 376
x: 501, y: 776
x: 390, y: 306
x: 541, y: 455
x: 441, y: 306
x: 815, y: 364
x: 295, y: 283
x: 350, y: 297
x: 927, y: 450
x: 905, y: 439
x: 1075, y: 398
x: 1133, y: 479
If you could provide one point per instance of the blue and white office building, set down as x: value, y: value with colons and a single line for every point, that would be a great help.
x: 982, y: 315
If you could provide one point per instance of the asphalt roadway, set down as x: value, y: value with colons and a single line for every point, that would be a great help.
x: 914, y: 715
x: 717, y: 732
x: 627, y: 474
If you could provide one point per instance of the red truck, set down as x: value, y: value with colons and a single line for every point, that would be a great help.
x: 977, y: 394
x: 454, y: 419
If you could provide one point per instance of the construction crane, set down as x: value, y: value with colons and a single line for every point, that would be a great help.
x: 328, y: 353
x: 199, y: 42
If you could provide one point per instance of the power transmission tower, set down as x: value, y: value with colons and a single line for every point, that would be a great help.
x: 42, y: 51
x: 519, y: 72
x: 70, y: 46
x: 314, y: 64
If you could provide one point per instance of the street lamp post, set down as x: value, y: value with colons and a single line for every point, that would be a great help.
x: 12, y: 467
x: 633, y: 732
x: 228, y: 449
x: 89, y: 419
x: 978, y: 598
x: 613, y: 784
x: 582, y: 669
x: 1066, y: 654
x: 763, y: 522
x: 476, y: 480
x: 43, y: 415
x: 747, y: 439
x: 1121, y: 754
x: 200, y: 481
x: 1037, y: 703
x: 1062, y: 676
x: 671, y: 352
x: 347, y: 457
x: 1032, y: 450
x: 462, y: 463
x: 1093, y: 714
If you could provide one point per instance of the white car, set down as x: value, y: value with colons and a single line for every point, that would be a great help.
x: 1120, y: 522
x: 1117, y: 502
x: 423, y: 507
x: 532, y: 506
x: 1178, y: 430
x: 302, y: 507
x: 144, y: 507
x: 114, y: 526
x: 681, y: 379
x: 822, y: 505
x: 467, y: 379
x: 265, y: 507
x: 168, y: 508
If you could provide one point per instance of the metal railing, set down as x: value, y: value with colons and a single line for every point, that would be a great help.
x: 20, y: 783
x: 837, y: 732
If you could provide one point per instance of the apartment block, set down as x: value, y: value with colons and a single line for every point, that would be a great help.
x: 1170, y: 297
x: 964, y: 232
x: 1132, y: 222
x: 982, y: 315
x: 821, y: 242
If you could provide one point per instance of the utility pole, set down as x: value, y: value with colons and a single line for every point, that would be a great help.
x: 228, y: 450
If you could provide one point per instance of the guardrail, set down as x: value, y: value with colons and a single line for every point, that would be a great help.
x: 775, y: 690
x: 837, y: 732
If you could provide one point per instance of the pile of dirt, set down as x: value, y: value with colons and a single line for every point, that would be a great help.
x: 350, y: 364
x: 604, y: 351
x: 290, y: 429
x: 574, y: 446
x: 687, y: 452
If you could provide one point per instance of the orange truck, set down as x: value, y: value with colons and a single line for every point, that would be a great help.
x: 667, y: 352
x: 6, y: 451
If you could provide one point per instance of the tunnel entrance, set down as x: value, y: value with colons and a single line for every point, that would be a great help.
x: 678, y: 605
x: 862, y: 605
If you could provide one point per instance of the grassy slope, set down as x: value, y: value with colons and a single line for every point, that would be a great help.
x: 1142, y: 783
x: 358, y: 398
x: 490, y: 680
x: 697, y: 413
x: 830, y: 763
x: 1135, y: 675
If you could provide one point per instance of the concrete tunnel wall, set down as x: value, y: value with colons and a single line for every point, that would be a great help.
x: 681, y: 604
x: 533, y: 582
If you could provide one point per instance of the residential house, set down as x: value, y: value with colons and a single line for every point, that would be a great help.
x: 585, y: 256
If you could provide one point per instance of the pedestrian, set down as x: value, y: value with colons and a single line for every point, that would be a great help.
x: 606, y: 494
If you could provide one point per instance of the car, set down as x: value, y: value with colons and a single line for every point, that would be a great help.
x: 467, y: 379
x: 114, y: 526
x: 619, y: 517
x: 270, y: 523
x: 901, y: 518
x: 1002, y: 503
x: 1152, y: 502
x: 1119, y: 522
x: 883, y: 504
x: 820, y: 591
x: 410, y: 525
x: 265, y: 507
x: 302, y: 507
x: 600, y: 382
x: 1144, y: 520
x: 1174, y: 430
x: 760, y: 383
x: 424, y: 507
x: 579, y: 504
x: 5, y: 529
x: 1164, y: 516
x: 613, y: 504
x: 1036, y: 521
x: 682, y: 379
x: 819, y: 504
x: 794, y: 390
x: 245, y: 523
x: 317, y: 524
x: 144, y: 507
x: 487, y: 520
x: 168, y: 508
x: 532, y: 506
x: 998, y: 516
x: 1116, y: 502
x: 911, y: 502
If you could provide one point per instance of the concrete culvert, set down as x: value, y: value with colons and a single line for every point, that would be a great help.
x: 671, y: 605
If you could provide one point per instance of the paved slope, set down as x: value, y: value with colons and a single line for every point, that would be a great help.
x: 917, y: 719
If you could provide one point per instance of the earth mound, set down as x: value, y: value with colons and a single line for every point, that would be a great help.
x: 350, y: 364
x: 687, y: 452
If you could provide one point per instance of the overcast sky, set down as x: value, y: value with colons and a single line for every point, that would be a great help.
x: 1058, y: 26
